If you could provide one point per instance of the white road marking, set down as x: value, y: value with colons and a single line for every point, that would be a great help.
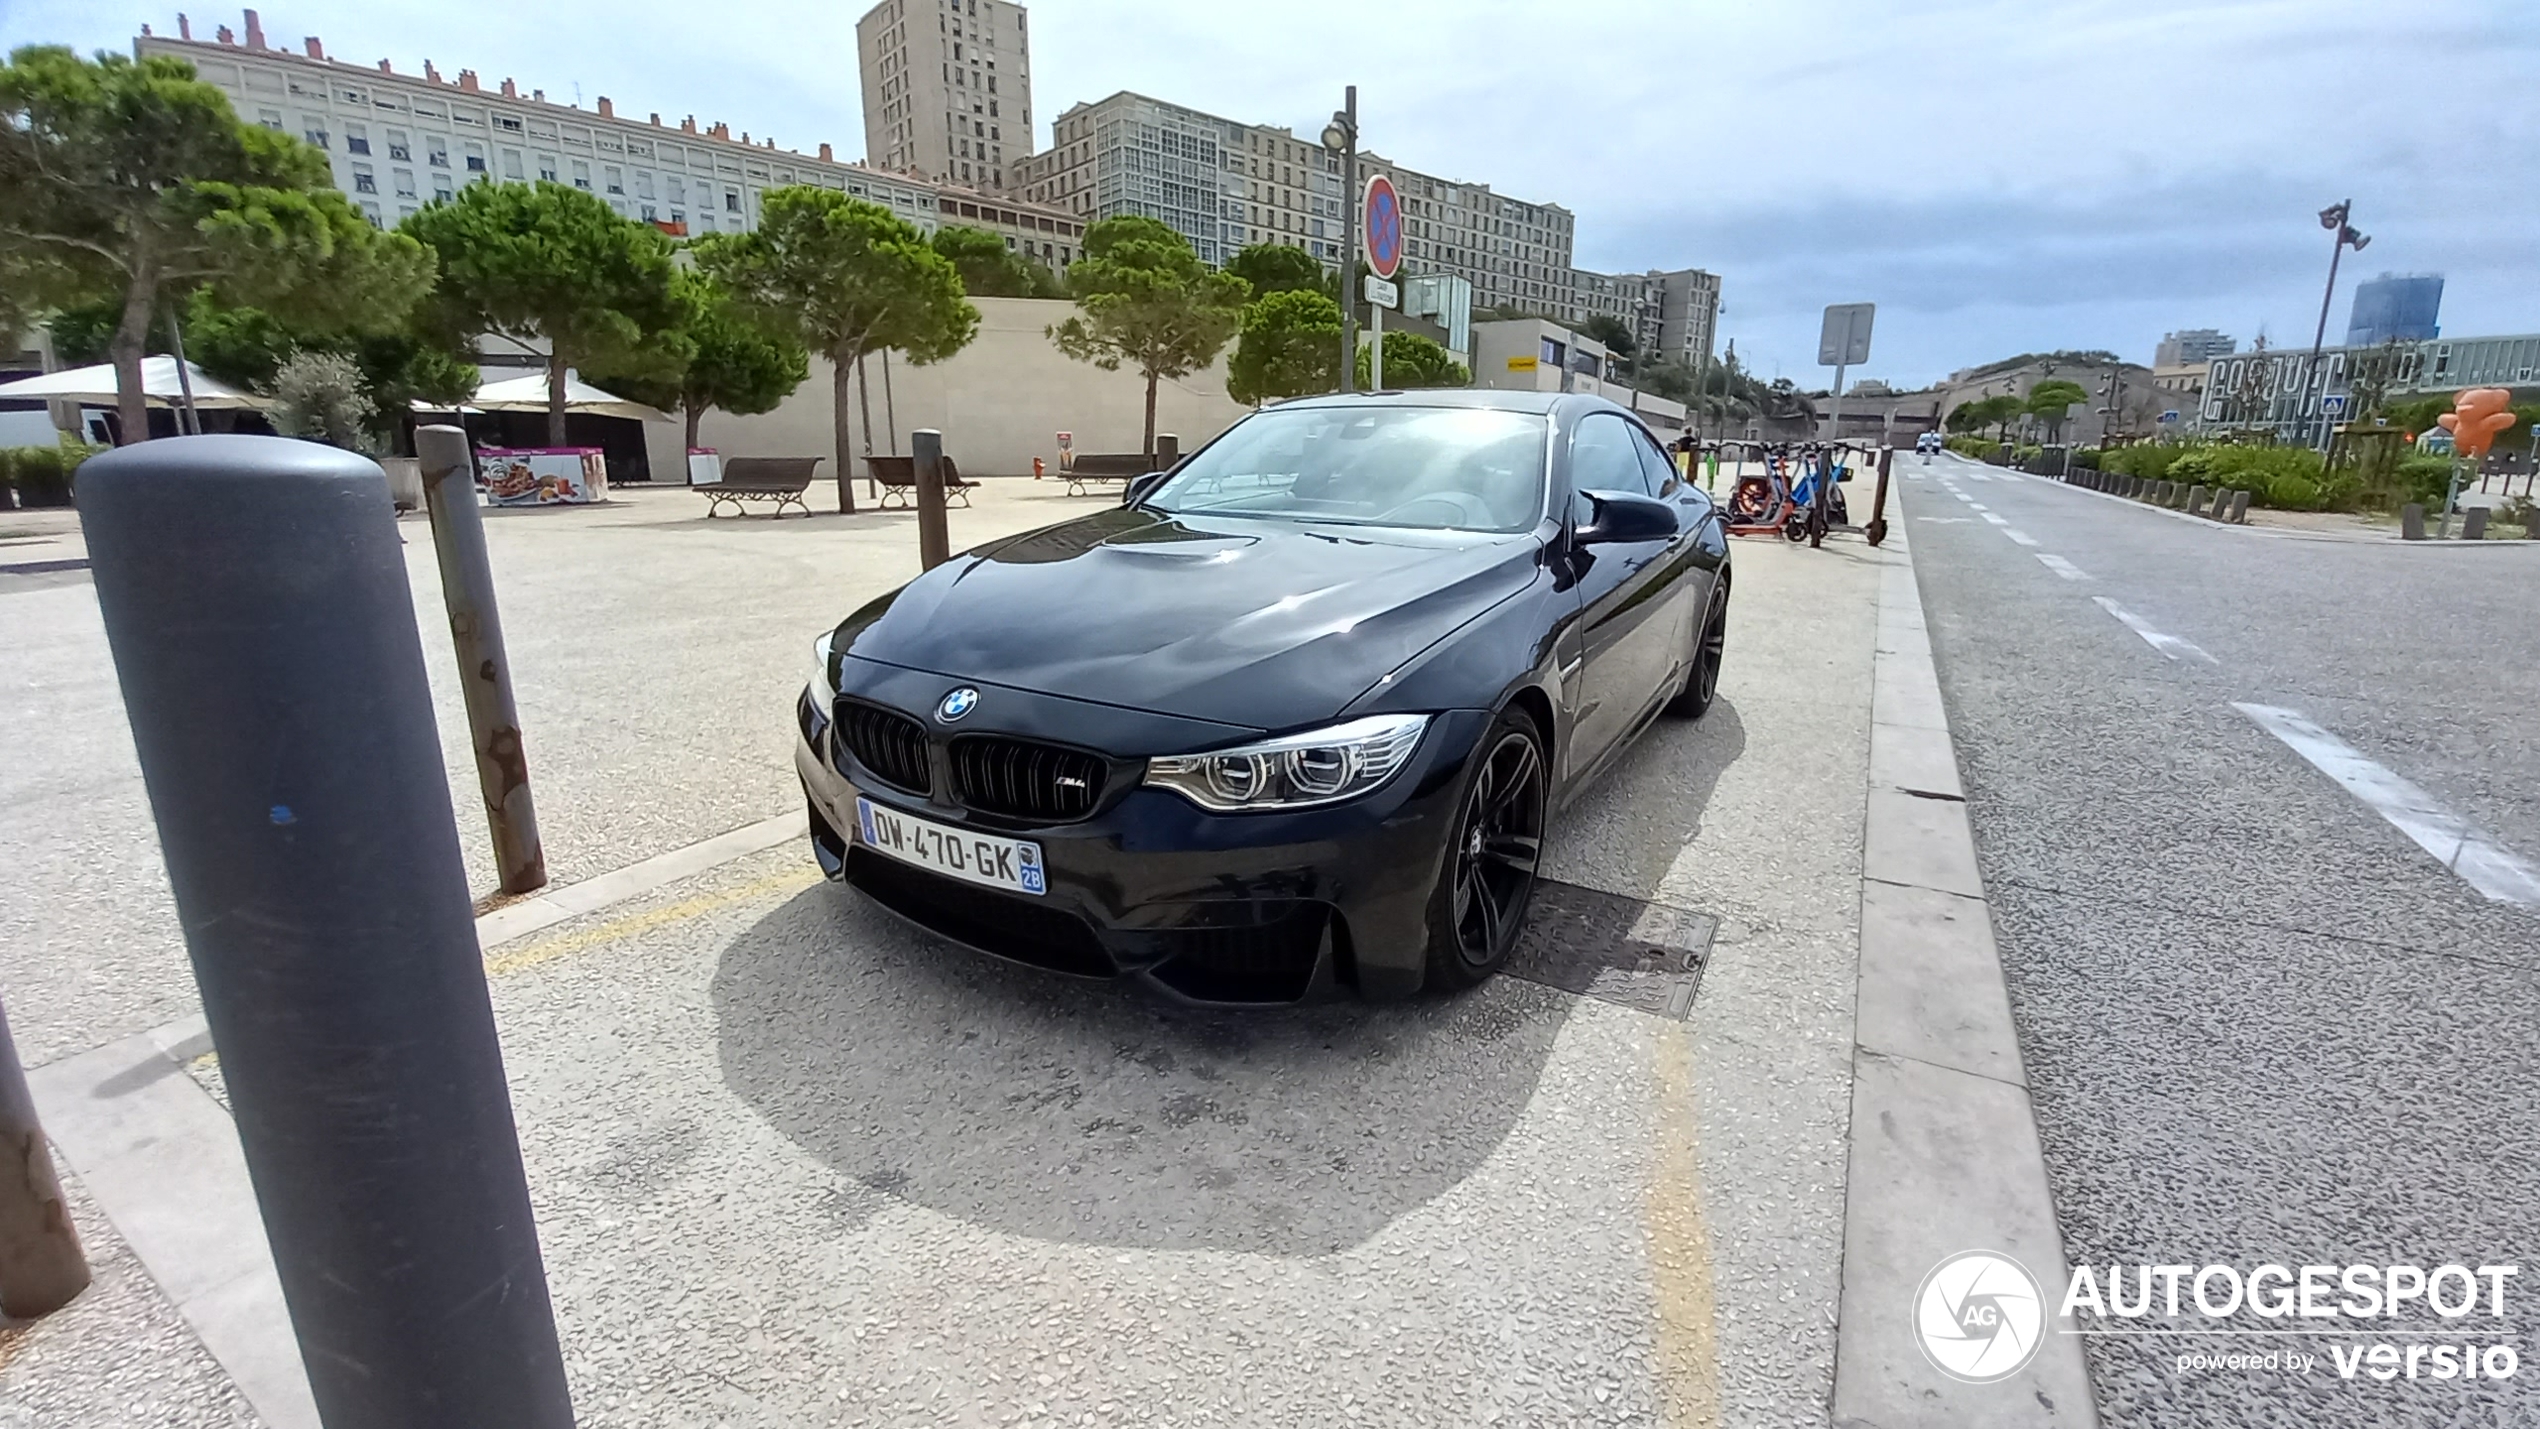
x: 1944, y: 520
x: 1994, y: 520
x: 2169, y: 645
x: 2481, y: 862
x: 2062, y: 567
x: 1974, y: 505
x: 2019, y: 536
x: 1978, y: 476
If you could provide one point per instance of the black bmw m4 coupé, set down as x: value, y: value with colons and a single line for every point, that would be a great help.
x: 1293, y: 717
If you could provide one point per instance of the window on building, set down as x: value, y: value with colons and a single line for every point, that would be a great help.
x: 441, y: 187
x: 547, y: 167
x: 512, y: 167
x: 315, y: 132
x: 363, y: 182
x: 731, y: 200
x: 615, y: 179
x: 270, y: 118
x: 371, y: 212
x: 405, y: 183
x: 356, y: 139
x: 397, y: 149
x: 475, y: 158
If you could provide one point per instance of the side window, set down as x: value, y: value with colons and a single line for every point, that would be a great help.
x: 1655, y: 466
x: 1602, y: 457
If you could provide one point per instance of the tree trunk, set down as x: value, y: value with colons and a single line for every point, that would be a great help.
x: 126, y: 348
x: 696, y: 413
x: 841, y: 380
x: 555, y: 398
x: 1149, y: 448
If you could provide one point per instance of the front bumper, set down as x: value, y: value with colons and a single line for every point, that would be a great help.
x: 1213, y: 908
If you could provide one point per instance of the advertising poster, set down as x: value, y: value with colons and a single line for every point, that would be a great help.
x: 542, y: 476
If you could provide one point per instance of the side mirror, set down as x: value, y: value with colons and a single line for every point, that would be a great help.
x: 1140, y: 487
x: 1618, y: 517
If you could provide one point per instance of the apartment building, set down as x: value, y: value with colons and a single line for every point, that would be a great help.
x: 947, y: 88
x: 398, y: 141
x: 1225, y: 184
x: 2192, y: 345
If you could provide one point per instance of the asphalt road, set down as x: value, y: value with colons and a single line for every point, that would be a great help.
x: 2261, y: 1024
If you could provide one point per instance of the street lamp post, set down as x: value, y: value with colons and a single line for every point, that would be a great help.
x: 2332, y: 218
x: 1342, y: 134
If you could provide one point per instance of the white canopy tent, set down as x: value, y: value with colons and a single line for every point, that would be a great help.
x: 95, y: 386
x: 529, y: 394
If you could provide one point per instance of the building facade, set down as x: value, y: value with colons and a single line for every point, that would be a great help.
x: 2283, y: 390
x: 944, y: 81
x: 2198, y: 344
x: 1130, y: 154
x: 1225, y: 184
x: 2400, y: 306
x: 399, y: 141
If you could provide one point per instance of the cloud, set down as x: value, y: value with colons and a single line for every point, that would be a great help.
x: 1996, y: 174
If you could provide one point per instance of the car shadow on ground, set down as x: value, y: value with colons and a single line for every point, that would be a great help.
x: 1095, y: 1113
x: 1624, y: 831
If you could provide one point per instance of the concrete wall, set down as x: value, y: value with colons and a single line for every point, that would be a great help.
x: 999, y: 402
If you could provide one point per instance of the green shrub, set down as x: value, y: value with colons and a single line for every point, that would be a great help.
x: 2150, y: 460
x: 2293, y: 493
x: 2085, y: 459
x: 2422, y: 478
x: 42, y: 475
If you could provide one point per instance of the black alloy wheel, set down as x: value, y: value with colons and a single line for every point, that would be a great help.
x: 1702, y: 682
x: 1489, y: 876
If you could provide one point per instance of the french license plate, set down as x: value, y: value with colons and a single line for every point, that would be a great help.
x: 1010, y: 864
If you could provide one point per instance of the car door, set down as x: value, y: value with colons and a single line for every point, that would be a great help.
x: 1696, y: 554
x: 1628, y: 620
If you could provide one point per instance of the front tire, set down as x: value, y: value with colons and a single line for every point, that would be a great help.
x: 1702, y: 682
x: 1487, y: 878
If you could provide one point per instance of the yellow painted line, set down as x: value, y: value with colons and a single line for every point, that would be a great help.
x: 1680, y: 1250
x: 503, y: 964
x: 616, y: 928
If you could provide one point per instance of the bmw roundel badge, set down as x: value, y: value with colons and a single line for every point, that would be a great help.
x: 960, y: 702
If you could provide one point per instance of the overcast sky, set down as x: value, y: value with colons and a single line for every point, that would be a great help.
x: 1997, y: 177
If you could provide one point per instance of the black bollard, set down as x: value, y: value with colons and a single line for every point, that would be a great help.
x: 934, y: 541
x: 255, y: 597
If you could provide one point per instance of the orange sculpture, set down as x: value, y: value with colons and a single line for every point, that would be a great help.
x: 2476, y: 417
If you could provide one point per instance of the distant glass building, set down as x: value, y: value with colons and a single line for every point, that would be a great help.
x: 2395, y: 305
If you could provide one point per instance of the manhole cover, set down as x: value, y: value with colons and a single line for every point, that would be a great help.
x: 1636, y: 954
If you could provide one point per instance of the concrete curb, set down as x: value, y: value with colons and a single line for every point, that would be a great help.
x: 2273, y: 533
x: 1944, y: 1156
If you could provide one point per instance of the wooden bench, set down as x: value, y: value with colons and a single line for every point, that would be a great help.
x: 897, y: 476
x: 781, y: 479
x: 1092, y: 467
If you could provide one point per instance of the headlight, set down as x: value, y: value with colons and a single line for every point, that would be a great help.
x: 823, y: 694
x: 1321, y: 766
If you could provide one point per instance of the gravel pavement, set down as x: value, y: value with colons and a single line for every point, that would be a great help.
x: 2260, y: 1024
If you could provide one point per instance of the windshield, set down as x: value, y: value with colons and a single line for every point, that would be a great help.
x: 1433, y: 468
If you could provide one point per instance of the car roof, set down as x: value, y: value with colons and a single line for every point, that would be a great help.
x: 1489, y: 398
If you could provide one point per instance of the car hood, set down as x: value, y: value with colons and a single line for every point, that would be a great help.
x: 1261, y: 623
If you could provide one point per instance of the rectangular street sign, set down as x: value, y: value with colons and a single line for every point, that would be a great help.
x: 2332, y: 404
x: 1521, y: 364
x: 1845, y: 341
x: 1382, y: 293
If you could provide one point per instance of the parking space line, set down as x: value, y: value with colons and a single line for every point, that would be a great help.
x: 503, y: 964
x: 2062, y: 567
x: 2480, y: 861
x: 2170, y: 645
x: 545, y: 910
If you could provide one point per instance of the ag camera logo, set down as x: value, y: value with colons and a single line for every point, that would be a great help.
x: 1979, y: 1316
